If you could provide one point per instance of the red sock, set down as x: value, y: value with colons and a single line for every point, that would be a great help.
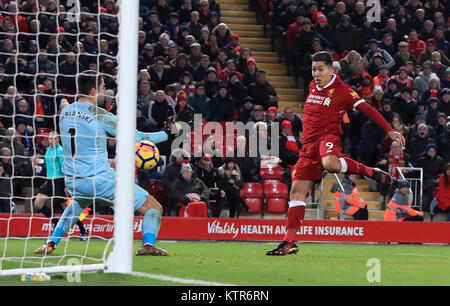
x: 353, y: 167
x: 295, y: 218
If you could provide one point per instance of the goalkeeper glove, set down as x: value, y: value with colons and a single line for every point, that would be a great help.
x: 173, y: 127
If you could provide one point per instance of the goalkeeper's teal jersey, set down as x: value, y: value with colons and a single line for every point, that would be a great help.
x: 84, y: 129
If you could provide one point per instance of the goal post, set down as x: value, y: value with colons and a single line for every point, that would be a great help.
x: 120, y: 259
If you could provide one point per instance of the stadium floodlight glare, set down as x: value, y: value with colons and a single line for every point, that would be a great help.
x: 120, y: 260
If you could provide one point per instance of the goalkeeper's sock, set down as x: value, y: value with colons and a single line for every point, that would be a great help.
x: 353, y: 167
x: 68, y: 219
x: 295, y: 216
x: 150, y: 226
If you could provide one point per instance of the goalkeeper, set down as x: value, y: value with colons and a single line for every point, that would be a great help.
x: 84, y: 128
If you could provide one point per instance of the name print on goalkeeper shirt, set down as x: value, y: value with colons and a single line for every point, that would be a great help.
x: 77, y: 114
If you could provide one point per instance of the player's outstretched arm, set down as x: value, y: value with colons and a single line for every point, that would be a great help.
x: 109, y: 121
x: 379, y: 120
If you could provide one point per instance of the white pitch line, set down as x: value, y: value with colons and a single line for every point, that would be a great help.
x: 179, y: 280
x: 423, y: 255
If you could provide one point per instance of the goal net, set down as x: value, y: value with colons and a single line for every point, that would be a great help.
x: 44, y: 46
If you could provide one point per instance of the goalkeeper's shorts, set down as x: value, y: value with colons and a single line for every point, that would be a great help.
x: 100, y: 188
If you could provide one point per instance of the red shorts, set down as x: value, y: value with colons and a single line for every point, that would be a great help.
x: 309, y: 166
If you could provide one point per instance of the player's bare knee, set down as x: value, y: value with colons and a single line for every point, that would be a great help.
x: 150, y: 203
x: 331, y: 165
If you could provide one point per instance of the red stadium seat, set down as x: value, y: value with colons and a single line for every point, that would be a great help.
x: 271, y: 173
x: 194, y: 209
x: 276, y: 195
x: 253, y: 196
x: 156, y: 189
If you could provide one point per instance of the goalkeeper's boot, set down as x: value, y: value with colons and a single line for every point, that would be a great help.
x: 46, y: 249
x: 150, y: 250
x: 284, y: 248
x: 381, y: 176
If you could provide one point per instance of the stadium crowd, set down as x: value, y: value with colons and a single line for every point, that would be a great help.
x: 191, y: 63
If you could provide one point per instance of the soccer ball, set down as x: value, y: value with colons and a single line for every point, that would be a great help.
x: 147, y: 155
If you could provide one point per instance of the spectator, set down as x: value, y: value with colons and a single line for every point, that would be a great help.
x: 402, y: 77
x: 201, y: 71
x: 160, y: 74
x: 250, y: 72
x: 443, y: 142
x: 421, y: 82
x: 184, y: 112
x: 444, y: 102
x: 262, y: 92
x: 258, y: 115
x: 419, y: 142
x: 200, y: 102
x: 249, y: 165
x: 399, y: 207
x: 391, y: 90
x: 375, y: 49
x: 222, y: 32
x: 390, y: 162
x: 289, y: 145
x: 222, y: 105
x: 346, y: 36
x: 224, y: 74
x: 159, y: 110
x: 382, y: 78
x: 68, y: 69
x: 438, y: 68
x: 405, y: 106
x: 420, y: 118
x: 147, y: 57
x: 294, y: 119
x: 371, y: 136
x: 211, y: 83
x: 246, y: 109
x: 443, y: 194
x: 209, y: 175
x: 186, y: 83
x: 188, y: 188
x: 171, y: 172
x: 348, y: 64
x: 195, y: 54
x: 427, y: 54
x: 403, y: 56
x: 432, y: 165
x: 237, y: 90
x: 142, y: 123
x: 440, y: 124
x: 145, y: 94
x: 415, y: 46
x: 234, y: 48
x: 232, y: 183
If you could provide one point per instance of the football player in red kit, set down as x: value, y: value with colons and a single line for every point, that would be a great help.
x: 329, y: 99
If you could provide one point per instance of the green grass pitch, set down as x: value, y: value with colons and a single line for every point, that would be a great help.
x: 246, y: 264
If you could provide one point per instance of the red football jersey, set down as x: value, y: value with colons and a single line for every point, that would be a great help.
x: 324, y: 108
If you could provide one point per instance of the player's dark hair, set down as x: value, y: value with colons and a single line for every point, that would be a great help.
x: 87, y: 80
x: 323, y: 56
